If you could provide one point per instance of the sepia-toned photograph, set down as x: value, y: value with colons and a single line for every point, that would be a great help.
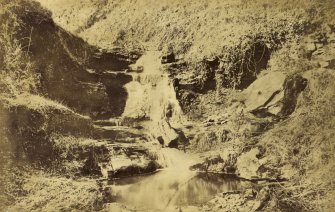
x: 167, y: 105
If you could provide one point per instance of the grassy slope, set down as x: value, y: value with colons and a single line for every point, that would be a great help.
x: 305, y: 144
x: 24, y: 112
x: 198, y: 28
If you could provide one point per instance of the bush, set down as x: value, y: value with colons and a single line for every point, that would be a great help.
x: 16, y: 70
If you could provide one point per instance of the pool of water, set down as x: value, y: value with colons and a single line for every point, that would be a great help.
x: 171, y: 188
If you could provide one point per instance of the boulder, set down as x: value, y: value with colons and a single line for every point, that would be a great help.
x: 210, y: 164
x: 266, y: 89
x: 274, y: 94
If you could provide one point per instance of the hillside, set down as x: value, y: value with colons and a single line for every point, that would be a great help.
x: 89, y: 94
x: 199, y: 29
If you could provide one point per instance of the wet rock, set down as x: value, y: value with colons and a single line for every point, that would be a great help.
x: 160, y: 140
x: 214, y: 163
x: 171, y: 137
x: 211, y: 164
x: 133, y: 170
x: 108, y: 122
x: 112, y: 59
x: 182, y: 139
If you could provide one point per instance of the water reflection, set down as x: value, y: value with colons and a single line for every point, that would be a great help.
x: 166, y: 189
x: 203, y: 187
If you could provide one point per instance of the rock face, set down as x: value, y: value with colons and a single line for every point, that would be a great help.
x: 71, y: 70
x: 277, y: 98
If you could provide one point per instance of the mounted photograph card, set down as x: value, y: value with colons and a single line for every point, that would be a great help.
x: 167, y: 106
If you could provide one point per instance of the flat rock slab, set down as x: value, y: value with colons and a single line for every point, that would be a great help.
x: 260, y: 92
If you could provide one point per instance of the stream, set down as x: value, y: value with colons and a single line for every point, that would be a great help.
x: 151, y: 97
x: 171, y: 187
x: 152, y: 103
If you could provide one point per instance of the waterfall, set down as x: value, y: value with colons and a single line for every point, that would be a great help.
x: 153, y: 104
x: 151, y: 96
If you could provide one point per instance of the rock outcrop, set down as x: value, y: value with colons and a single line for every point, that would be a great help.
x: 71, y: 70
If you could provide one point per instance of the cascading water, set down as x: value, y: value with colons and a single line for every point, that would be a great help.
x: 152, y: 103
x: 152, y: 96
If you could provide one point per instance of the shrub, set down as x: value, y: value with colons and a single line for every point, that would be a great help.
x: 16, y: 70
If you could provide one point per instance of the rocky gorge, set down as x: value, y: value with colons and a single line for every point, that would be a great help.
x: 107, y: 107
